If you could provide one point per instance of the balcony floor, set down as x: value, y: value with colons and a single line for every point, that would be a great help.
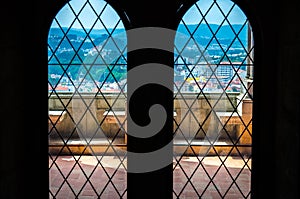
x: 209, y: 175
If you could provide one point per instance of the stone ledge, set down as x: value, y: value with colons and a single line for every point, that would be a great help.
x: 57, y: 115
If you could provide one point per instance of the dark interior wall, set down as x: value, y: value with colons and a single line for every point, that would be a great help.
x: 288, y: 107
x: 23, y: 141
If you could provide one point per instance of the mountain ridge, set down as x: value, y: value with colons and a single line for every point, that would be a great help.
x: 204, y: 30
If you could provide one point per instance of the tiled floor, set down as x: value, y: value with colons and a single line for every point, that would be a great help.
x: 88, y: 179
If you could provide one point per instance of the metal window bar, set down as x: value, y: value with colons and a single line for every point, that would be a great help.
x: 212, y: 110
x: 87, y: 109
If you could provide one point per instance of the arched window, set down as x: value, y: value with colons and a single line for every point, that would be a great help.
x: 213, y: 80
x: 87, y: 67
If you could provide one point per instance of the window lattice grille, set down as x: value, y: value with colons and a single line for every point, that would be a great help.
x: 87, y: 84
x: 213, y: 100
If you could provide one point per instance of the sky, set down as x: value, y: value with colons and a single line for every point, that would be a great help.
x: 214, y: 16
x: 88, y: 17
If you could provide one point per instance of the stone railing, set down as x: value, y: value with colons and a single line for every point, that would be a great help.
x: 200, y: 117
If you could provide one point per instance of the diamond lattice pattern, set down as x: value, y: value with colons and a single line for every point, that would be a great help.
x: 87, y: 95
x: 213, y: 81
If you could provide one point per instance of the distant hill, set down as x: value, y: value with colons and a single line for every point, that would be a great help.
x: 203, y: 31
x: 81, y: 33
x: 203, y: 36
x: 86, y: 51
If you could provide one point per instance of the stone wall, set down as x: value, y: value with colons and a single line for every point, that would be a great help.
x: 89, y: 115
x: 200, y: 116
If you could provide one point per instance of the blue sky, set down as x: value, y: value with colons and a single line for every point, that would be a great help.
x: 87, y: 15
x: 110, y: 18
x: 214, y: 16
